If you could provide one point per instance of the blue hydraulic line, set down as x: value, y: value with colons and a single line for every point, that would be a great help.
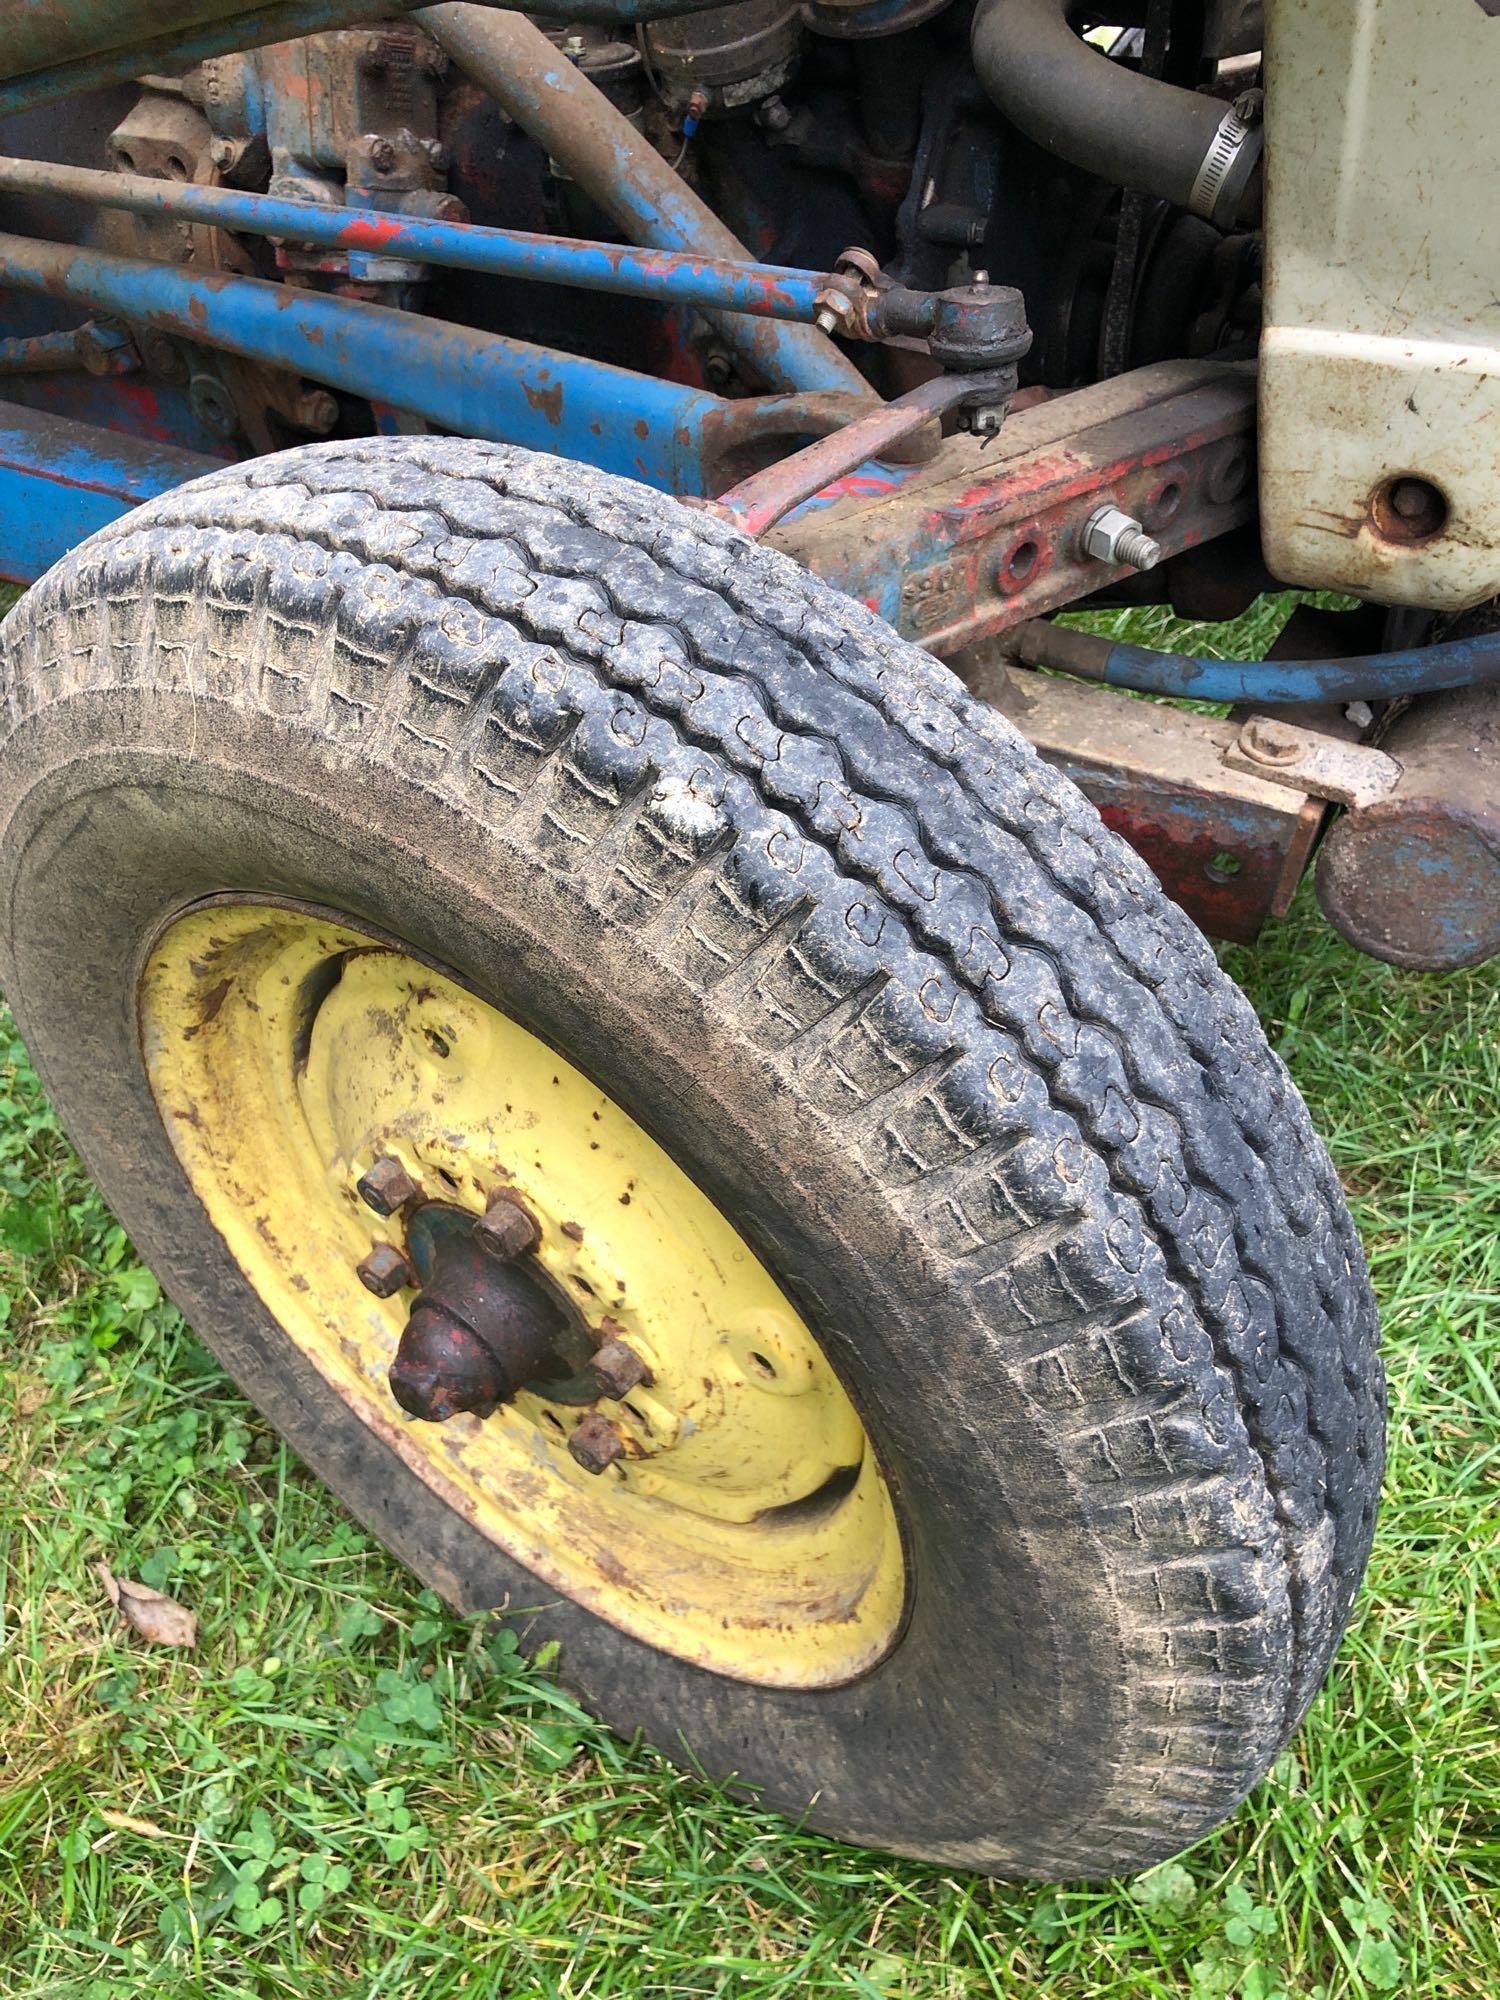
x: 1452, y: 663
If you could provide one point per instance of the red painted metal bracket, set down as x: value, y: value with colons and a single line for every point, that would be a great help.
x: 989, y: 534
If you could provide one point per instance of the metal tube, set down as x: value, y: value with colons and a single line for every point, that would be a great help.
x: 756, y: 504
x: 60, y: 48
x: 550, y: 97
x: 84, y: 49
x: 674, y: 277
x: 1452, y: 663
x: 476, y: 384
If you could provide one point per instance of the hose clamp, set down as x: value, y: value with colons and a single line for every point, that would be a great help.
x: 1239, y: 129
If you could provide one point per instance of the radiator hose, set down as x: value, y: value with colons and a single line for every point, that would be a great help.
x: 1194, y: 151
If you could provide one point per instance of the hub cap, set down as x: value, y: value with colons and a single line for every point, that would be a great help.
x: 743, y: 1523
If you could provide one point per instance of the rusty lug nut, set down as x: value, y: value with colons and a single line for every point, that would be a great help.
x: 595, y: 1443
x: 505, y: 1229
x: 387, y: 1186
x: 618, y: 1369
x: 385, y: 1271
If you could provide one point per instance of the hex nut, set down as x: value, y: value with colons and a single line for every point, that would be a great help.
x: 1112, y: 536
x: 387, y: 1186
x: 595, y: 1444
x: 385, y: 1270
x: 506, y: 1229
x: 618, y: 1369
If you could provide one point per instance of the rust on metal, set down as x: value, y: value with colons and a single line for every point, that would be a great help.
x: 387, y: 1186
x: 989, y: 535
x: 617, y: 1369
x: 594, y: 1443
x: 1413, y: 876
x: 756, y: 504
x: 385, y: 1271
x: 482, y: 1325
x: 1228, y: 846
x: 506, y: 1229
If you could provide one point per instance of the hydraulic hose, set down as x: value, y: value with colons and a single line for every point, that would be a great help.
x: 623, y: 174
x: 1131, y: 130
x: 1452, y: 663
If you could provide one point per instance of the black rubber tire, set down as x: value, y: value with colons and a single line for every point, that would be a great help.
x: 878, y: 979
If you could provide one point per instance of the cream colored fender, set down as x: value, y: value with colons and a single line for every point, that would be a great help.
x: 1381, y: 351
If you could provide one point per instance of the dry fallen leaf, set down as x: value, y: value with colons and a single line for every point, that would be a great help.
x: 157, y: 1617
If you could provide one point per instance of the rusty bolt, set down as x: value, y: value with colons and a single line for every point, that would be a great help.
x: 317, y: 410
x: 1269, y: 741
x: 223, y: 152
x: 385, y: 1271
x: 595, y: 1443
x: 617, y: 1368
x: 835, y: 310
x: 506, y: 1229
x: 382, y: 155
x: 387, y: 1186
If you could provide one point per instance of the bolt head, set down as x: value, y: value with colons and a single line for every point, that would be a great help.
x: 1270, y: 741
x: 595, y: 1444
x: 222, y: 152
x: 385, y: 1271
x: 387, y: 1186
x: 618, y: 1369
x: 506, y: 1229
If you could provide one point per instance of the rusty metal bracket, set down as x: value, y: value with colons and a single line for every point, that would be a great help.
x: 984, y: 537
x: 1228, y: 845
x: 1306, y: 761
x: 756, y: 504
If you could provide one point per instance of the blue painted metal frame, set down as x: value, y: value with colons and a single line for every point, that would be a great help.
x: 476, y: 384
x: 61, y: 481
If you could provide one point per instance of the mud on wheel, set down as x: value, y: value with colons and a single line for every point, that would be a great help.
x: 699, y: 1137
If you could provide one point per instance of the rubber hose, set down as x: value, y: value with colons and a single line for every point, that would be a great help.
x: 1090, y: 656
x: 1131, y: 130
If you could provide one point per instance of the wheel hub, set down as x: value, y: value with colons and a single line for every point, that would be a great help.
x: 482, y: 1325
x: 457, y: 1227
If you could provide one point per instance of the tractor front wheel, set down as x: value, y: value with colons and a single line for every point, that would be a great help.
x: 699, y: 1137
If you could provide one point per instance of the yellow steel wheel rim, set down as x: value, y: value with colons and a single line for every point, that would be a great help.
x: 749, y: 1529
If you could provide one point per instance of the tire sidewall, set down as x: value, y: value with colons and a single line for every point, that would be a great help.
x: 1007, y: 1686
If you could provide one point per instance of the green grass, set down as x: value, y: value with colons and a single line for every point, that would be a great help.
x: 345, y: 1791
